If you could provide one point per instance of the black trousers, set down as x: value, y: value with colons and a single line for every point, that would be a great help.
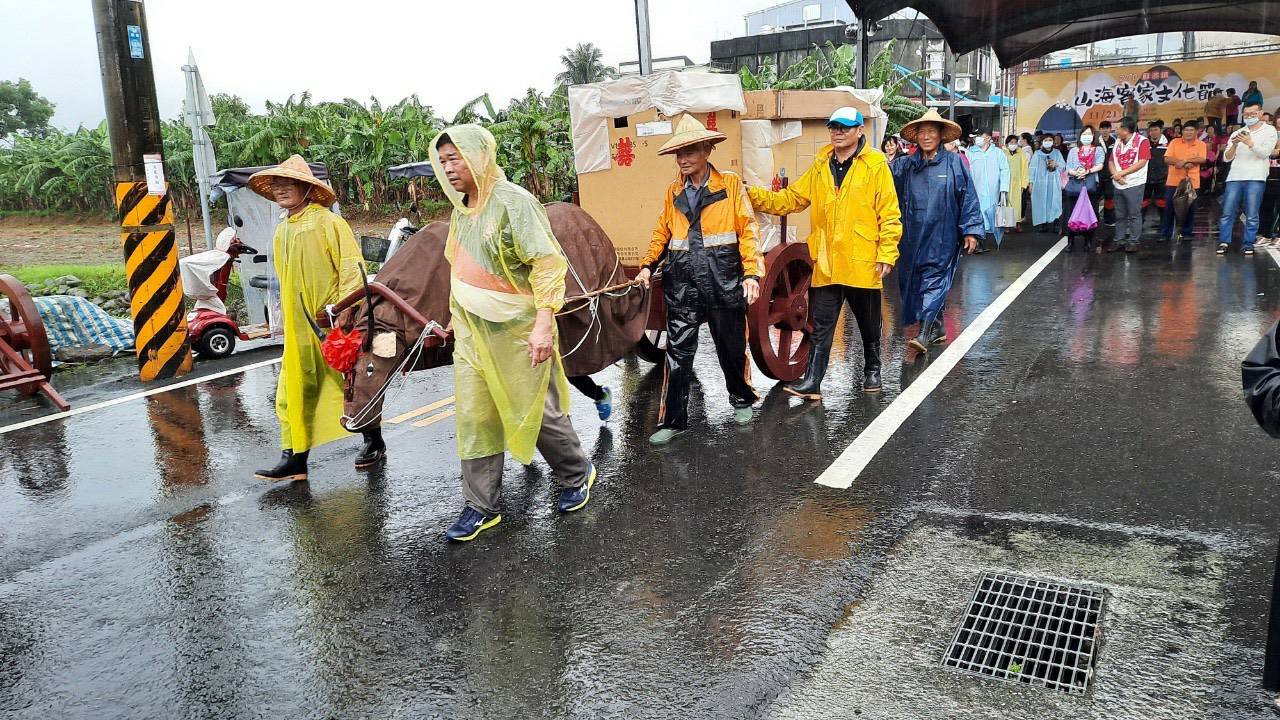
x: 1271, y: 661
x: 824, y: 310
x: 585, y: 385
x: 729, y: 333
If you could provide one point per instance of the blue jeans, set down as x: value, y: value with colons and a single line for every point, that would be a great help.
x: 1251, y: 190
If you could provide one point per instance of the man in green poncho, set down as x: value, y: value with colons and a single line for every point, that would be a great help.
x: 506, y: 284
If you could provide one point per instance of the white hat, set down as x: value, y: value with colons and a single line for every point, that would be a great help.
x: 846, y: 116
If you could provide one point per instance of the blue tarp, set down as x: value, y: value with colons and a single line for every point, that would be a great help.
x: 70, y: 320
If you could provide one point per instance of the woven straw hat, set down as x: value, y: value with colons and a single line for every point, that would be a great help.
x: 950, y: 130
x: 690, y: 132
x: 295, y: 168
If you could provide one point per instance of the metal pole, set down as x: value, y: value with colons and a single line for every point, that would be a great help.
x: 642, y: 37
x: 141, y: 194
x: 863, y: 46
x: 951, y: 83
x: 199, y: 150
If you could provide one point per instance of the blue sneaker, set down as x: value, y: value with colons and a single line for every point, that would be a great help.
x: 470, y: 524
x: 572, y: 499
x: 604, y: 406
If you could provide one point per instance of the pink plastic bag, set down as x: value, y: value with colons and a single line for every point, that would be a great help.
x: 1083, y: 218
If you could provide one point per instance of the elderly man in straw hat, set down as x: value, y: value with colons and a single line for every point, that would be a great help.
x: 941, y: 214
x: 506, y: 274
x: 854, y: 244
x: 705, y: 244
x: 318, y: 263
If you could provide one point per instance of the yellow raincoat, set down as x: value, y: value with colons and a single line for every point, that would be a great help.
x: 853, y: 228
x: 1019, y: 178
x: 318, y: 263
x: 505, y: 265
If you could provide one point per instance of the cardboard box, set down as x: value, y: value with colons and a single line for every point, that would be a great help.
x: 627, y: 198
x: 798, y: 104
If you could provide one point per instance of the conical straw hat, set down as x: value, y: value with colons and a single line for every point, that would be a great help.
x: 950, y: 130
x: 689, y: 132
x: 294, y: 168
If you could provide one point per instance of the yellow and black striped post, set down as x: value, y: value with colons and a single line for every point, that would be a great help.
x: 155, y: 290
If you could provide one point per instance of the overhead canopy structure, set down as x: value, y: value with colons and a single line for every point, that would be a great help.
x: 1020, y: 30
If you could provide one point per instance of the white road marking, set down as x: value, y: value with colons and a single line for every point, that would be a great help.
x: 135, y: 396
x: 857, y: 456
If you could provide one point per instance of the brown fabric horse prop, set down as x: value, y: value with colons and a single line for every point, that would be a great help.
x: 593, y: 333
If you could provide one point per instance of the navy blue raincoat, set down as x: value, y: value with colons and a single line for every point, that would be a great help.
x: 939, y: 207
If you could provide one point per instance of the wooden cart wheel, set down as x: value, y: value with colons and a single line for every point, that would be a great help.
x: 23, y: 330
x: 778, y: 323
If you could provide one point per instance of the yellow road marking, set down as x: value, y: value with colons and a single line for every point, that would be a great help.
x: 421, y: 411
x: 435, y: 418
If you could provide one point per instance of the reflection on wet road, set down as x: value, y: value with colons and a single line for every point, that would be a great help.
x: 1094, y: 433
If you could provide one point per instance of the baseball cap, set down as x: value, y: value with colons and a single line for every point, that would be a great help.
x: 846, y: 117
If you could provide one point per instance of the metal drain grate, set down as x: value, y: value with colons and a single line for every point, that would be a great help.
x: 1029, y: 631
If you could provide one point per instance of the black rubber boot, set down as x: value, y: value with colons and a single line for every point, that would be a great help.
x: 938, y: 335
x: 292, y: 468
x: 871, y: 367
x: 809, y: 387
x: 374, y: 450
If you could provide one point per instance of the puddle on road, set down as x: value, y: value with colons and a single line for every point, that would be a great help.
x: 1165, y: 649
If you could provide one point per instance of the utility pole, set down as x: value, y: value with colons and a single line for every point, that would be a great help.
x: 642, y: 37
x: 141, y: 193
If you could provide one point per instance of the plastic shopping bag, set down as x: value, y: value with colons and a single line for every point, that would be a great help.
x: 1083, y: 218
x: 1004, y: 217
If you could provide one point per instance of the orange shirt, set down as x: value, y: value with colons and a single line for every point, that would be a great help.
x: 1181, y: 150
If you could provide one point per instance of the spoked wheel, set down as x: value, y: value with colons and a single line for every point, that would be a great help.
x: 22, y: 330
x: 652, y: 346
x: 778, y: 322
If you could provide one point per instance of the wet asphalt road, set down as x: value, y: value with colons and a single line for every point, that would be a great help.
x: 1095, y: 433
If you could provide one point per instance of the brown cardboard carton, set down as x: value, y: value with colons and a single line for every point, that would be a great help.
x: 798, y: 104
x: 627, y: 198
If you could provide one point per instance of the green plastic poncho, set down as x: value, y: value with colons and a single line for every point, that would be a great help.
x: 318, y: 263
x: 505, y: 265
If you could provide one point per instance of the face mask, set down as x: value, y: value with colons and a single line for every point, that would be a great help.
x: 1250, y: 121
x: 1086, y: 139
x: 984, y: 142
x: 1013, y: 146
x: 1046, y: 144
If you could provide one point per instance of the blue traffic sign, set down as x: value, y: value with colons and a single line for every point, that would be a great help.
x: 135, y: 42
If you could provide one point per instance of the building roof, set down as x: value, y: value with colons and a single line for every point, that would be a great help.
x: 1020, y: 30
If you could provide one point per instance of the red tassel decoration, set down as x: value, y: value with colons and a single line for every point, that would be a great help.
x: 341, y: 349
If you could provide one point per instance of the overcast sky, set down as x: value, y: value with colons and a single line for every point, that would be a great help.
x: 446, y: 52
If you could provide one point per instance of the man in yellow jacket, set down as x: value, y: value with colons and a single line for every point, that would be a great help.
x: 854, y: 242
x: 705, y: 243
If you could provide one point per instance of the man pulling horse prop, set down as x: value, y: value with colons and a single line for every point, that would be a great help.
x: 524, y: 293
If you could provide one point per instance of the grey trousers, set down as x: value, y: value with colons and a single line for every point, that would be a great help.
x: 557, y: 442
x: 1129, y: 214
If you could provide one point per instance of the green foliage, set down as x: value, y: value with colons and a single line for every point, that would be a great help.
x: 229, y: 107
x: 583, y: 64
x: 830, y: 66
x: 98, y: 279
x: 22, y: 109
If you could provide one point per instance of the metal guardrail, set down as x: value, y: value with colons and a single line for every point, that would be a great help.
x: 1113, y: 60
